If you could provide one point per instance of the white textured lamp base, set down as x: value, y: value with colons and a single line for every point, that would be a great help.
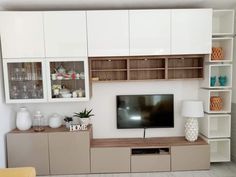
x: 191, y: 129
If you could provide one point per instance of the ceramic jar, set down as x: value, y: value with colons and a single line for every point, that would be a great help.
x: 23, y: 119
x: 38, y: 122
x: 55, y: 121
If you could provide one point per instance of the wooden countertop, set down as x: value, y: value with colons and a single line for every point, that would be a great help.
x: 49, y: 130
x: 147, y: 142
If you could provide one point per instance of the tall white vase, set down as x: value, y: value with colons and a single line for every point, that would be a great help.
x: 23, y: 119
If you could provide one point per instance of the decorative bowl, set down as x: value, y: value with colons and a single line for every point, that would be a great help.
x: 66, y: 95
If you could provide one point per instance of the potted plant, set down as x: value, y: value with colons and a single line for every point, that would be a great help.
x: 68, y: 121
x: 84, y: 116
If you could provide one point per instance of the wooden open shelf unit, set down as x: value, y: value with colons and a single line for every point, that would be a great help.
x: 146, y: 68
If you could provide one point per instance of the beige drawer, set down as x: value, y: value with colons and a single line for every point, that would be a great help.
x: 110, y: 160
x: 148, y: 163
x: 196, y: 157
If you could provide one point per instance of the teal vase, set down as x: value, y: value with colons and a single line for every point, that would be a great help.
x: 213, y: 81
x: 222, y: 80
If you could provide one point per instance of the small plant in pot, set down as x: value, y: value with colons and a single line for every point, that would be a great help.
x: 84, y: 116
x: 68, y: 121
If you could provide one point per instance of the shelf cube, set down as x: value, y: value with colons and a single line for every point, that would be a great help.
x: 220, y: 150
x: 217, y: 70
x: 223, y: 22
x: 206, y: 94
x: 215, y: 125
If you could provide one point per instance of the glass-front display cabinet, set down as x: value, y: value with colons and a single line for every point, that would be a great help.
x: 24, y: 80
x: 68, y: 79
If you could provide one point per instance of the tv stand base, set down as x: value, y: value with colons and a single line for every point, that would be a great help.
x: 148, y: 155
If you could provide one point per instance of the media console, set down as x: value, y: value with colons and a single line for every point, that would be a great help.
x: 148, y: 155
x: 60, y: 152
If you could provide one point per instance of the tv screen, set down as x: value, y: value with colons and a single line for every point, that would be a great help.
x: 145, y: 111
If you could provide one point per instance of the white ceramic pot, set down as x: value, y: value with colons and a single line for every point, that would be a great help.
x: 85, y: 121
x: 23, y: 119
x: 55, y: 121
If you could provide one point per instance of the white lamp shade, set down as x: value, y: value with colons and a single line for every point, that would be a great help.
x: 192, y: 109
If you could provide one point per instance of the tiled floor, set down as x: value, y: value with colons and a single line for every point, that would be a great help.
x: 217, y: 170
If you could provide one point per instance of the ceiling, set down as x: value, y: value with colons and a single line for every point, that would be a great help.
x: 111, y: 4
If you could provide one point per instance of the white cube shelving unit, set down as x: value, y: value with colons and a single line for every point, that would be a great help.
x: 217, y: 70
x: 223, y: 22
x: 206, y: 94
x: 215, y: 125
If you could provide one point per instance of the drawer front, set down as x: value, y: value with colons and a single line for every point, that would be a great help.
x: 69, y: 153
x: 190, y: 157
x: 148, y: 163
x: 109, y: 160
x: 28, y: 149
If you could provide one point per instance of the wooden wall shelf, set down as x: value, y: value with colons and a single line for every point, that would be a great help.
x: 146, y: 68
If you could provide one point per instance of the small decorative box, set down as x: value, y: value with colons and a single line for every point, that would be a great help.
x: 217, y: 53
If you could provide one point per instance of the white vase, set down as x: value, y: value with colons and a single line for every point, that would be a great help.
x: 23, y: 119
x: 55, y: 121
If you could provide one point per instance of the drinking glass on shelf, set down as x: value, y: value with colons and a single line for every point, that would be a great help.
x: 24, y: 92
x: 23, y: 74
x: 14, y: 94
x: 17, y: 74
x: 34, y: 91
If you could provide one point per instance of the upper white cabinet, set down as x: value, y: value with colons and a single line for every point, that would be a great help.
x: 150, y: 32
x: 108, y: 33
x: 191, y: 31
x: 22, y: 34
x: 65, y: 34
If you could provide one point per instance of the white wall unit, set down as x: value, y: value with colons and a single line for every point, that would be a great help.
x: 225, y: 95
x: 78, y: 84
x: 150, y: 32
x: 223, y: 22
x: 108, y: 33
x: 191, y: 31
x: 216, y: 71
x: 22, y: 35
x: 215, y: 125
x: 25, y: 80
x: 226, y: 43
x: 65, y: 33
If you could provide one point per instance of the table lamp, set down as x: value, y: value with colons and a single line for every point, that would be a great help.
x: 192, y: 110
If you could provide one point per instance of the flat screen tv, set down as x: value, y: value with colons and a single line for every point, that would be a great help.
x: 145, y: 111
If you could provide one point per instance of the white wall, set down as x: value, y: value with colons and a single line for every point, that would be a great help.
x: 6, y: 122
x: 103, y: 103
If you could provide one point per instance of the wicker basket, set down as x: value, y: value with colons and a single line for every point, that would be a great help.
x: 216, y: 103
x: 217, y: 53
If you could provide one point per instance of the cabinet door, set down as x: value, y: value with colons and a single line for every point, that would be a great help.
x: 191, y: 31
x: 196, y: 157
x: 150, y: 32
x: 69, y: 152
x: 28, y: 149
x: 68, y: 79
x: 24, y: 80
x: 108, y: 33
x: 22, y: 34
x: 110, y: 160
x: 65, y: 34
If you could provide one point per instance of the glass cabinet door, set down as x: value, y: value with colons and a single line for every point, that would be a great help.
x: 24, y: 81
x: 68, y: 80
